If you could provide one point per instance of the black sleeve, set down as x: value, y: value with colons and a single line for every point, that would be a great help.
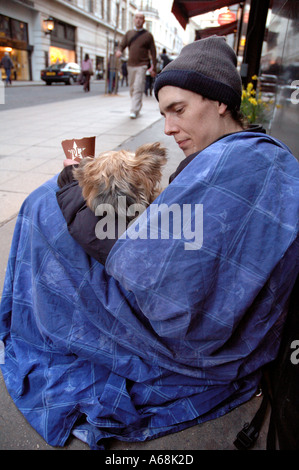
x: 182, y: 165
x: 81, y: 222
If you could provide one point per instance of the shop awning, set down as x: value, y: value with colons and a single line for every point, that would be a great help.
x: 185, y: 9
x: 222, y: 30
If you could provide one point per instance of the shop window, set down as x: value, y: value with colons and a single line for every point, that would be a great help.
x: 63, y: 31
x: 123, y: 20
x: 13, y: 30
x: 63, y: 36
x: 70, y: 33
x: 149, y: 26
x: 59, y: 55
x: 108, y: 11
x: 90, y: 6
x: 19, y: 31
x: 4, y: 27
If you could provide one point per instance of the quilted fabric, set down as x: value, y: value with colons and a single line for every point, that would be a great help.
x: 174, y: 330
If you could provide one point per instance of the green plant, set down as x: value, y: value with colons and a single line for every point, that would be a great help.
x: 253, y: 107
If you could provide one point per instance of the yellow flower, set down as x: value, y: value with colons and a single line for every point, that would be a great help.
x: 254, y: 77
x: 253, y: 107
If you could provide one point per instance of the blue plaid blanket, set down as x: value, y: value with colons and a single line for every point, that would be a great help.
x: 174, y: 330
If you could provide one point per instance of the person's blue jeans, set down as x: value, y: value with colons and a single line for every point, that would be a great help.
x: 8, y: 75
x: 112, y: 76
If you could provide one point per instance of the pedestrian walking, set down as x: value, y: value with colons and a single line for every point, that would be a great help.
x: 164, y: 58
x: 141, y: 45
x: 112, y: 73
x: 7, y: 64
x: 149, y: 83
x: 124, y: 72
x: 87, y: 71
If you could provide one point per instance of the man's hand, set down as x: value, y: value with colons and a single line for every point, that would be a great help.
x: 152, y: 72
x: 68, y: 162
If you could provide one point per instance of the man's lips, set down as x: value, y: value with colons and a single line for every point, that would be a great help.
x: 181, y: 143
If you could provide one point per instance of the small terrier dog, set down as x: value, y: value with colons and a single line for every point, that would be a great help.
x: 112, y: 174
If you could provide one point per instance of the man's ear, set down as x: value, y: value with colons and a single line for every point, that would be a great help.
x: 222, y: 108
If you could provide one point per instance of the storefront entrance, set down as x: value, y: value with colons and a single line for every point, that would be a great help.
x: 20, y: 61
x: 14, y: 40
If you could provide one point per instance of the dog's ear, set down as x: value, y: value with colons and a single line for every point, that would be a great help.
x: 156, y: 151
x: 150, y: 158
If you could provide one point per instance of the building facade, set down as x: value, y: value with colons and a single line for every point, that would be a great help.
x: 166, y: 30
x: 80, y: 26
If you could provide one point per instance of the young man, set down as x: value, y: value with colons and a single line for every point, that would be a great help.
x: 215, y: 278
x: 142, y: 48
x: 219, y: 302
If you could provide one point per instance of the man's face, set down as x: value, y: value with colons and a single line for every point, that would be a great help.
x: 139, y: 20
x: 194, y: 121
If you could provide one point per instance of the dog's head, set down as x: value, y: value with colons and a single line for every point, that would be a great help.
x: 121, y: 173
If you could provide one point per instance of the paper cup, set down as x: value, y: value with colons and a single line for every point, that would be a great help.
x: 76, y: 149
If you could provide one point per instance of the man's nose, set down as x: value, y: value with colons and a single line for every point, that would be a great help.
x: 169, y: 127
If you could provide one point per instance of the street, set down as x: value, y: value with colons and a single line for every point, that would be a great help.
x: 17, y: 96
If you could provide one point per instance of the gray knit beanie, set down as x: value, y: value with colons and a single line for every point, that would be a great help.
x: 206, y: 67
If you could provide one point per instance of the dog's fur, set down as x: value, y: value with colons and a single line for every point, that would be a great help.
x: 121, y: 173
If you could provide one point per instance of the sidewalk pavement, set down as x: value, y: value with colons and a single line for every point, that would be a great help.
x: 30, y: 154
x: 31, y: 151
x: 26, y: 83
x: 30, y: 139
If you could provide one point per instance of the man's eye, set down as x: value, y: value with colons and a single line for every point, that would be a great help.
x: 179, y: 110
